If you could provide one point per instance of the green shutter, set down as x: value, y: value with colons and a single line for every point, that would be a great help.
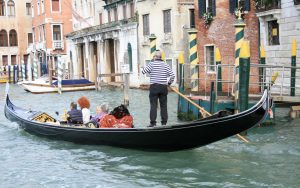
x: 247, y: 5
x: 213, y: 7
x: 202, y: 7
x: 232, y: 5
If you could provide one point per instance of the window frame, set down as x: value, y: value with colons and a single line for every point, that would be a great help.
x: 146, y: 30
x: 61, y: 33
x: 11, y: 8
x: 5, y: 38
x: 13, y: 38
x: 28, y: 9
x: 59, y: 6
x: 167, y: 21
x: 208, y: 67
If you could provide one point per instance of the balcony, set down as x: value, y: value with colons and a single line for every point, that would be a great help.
x: 262, y: 5
x: 58, y: 44
x: 185, y: 2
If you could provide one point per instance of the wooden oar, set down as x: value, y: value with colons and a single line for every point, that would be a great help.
x: 202, y: 110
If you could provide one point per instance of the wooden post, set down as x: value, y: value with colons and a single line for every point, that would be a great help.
x: 219, y: 76
x: 293, y: 69
x: 126, y: 89
x: 193, y: 60
x: 244, y: 74
x: 262, y: 70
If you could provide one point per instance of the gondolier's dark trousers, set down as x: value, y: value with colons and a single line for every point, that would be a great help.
x: 158, y: 92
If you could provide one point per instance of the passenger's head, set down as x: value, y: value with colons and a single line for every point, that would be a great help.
x: 84, y: 102
x: 73, y: 105
x: 157, y: 54
x: 102, y: 108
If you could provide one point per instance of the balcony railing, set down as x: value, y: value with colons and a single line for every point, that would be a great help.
x: 262, y: 5
x: 297, y: 2
x: 58, y: 44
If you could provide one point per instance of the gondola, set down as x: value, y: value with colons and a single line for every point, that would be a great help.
x: 161, y: 138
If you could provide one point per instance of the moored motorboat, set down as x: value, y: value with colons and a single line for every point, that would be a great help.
x: 67, y: 85
x: 163, y: 138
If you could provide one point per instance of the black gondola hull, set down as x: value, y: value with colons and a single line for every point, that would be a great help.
x: 163, y: 138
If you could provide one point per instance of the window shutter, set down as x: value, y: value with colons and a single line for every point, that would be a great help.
x: 232, y: 5
x: 202, y: 7
x: 247, y: 5
x: 214, y: 7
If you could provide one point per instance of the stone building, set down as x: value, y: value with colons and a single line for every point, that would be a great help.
x: 279, y: 25
x: 220, y: 32
x: 169, y: 21
x: 15, y: 31
x: 105, y: 40
x: 51, y: 21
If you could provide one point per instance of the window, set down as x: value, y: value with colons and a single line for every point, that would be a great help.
x: 28, y: 8
x: 146, y: 30
x: 13, y: 38
x: 167, y: 21
x: 210, y: 58
x: 100, y: 19
x: 3, y: 38
x: 55, y: 6
x: 192, y: 18
x: 4, y: 60
x: 13, y: 59
x: 29, y: 38
x: 10, y: 8
x: 116, y: 14
x: 56, y: 32
x: 124, y: 11
x: 38, y: 8
x: 273, y: 32
x: 108, y: 16
x: 207, y: 6
x: 43, y: 6
x: 235, y: 4
x: 2, y: 8
x: 131, y: 10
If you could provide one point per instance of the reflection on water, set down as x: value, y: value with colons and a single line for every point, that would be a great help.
x: 271, y: 159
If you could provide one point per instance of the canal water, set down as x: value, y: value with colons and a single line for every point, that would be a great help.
x: 271, y: 159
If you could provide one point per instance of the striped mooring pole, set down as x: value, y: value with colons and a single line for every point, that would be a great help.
x: 35, y: 68
x: 239, y: 37
x: 293, y: 69
x: 193, y: 59
x: 244, y: 76
x: 152, y: 39
x: 181, y: 80
x: 219, y: 76
x: 262, y: 70
x: 60, y: 74
x: 23, y: 71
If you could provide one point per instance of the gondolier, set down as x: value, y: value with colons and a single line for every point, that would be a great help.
x: 159, y: 73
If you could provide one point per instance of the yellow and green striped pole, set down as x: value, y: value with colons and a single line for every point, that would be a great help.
x: 181, y: 72
x: 293, y: 70
x: 152, y: 39
x: 239, y: 37
x: 262, y: 69
x: 219, y: 76
x: 193, y: 58
x: 244, y: 70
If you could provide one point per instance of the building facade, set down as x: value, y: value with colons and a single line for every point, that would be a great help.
x: 15, y: 31
x: 169, y: 22
x: 279, y: 26
x: 218, y: 31
x: 51, y: 21
x: 109, y: 43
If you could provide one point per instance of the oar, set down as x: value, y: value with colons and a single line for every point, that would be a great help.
x: 203, y: 111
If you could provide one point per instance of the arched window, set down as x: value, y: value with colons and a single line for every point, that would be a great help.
x: 3, y: 38
x: 2, y: 8
x: 10, y: 8
x: 13, y: 38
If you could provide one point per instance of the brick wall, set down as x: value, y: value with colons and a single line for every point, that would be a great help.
x: 221, y: 33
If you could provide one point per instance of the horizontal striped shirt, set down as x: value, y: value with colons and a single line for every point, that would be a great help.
x: 159, y: 72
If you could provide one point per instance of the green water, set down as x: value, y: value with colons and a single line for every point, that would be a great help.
x: 271, y: 159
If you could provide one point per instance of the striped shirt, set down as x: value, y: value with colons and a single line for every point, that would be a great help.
x: 159, y: 72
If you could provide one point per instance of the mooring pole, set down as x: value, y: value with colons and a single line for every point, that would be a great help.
x: 239, y: 37
x: 193, y: 58
x: 126, y: 89
x: 244, y: 76
x: 293, y: 69
x: 219, y: 76
x: 152, y: 39
x: 262, y: 69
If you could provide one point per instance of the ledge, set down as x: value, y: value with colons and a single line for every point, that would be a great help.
x: 276, y: 13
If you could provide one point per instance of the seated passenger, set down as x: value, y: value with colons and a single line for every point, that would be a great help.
x: 118, y: 118
x: 74, y: 115
x: 84, y: 104
x: 101, y: 111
